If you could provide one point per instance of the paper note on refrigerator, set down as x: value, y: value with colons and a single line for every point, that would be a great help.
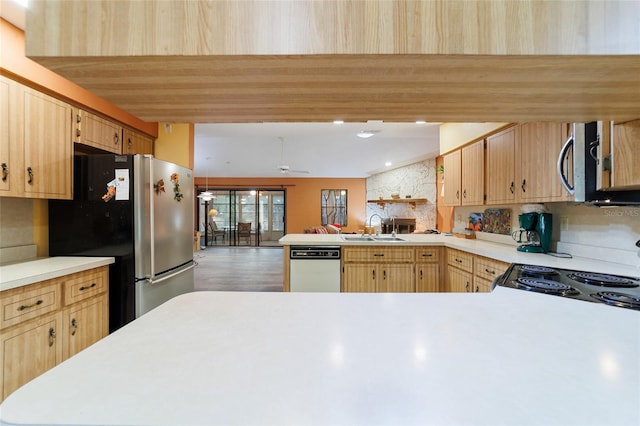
x: 122, y: 184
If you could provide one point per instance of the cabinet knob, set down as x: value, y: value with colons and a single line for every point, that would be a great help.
x: 30, y: 174
x: 5, y: 172
x: 74, y: 327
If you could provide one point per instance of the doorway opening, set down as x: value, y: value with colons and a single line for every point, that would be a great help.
x: 242, y: 217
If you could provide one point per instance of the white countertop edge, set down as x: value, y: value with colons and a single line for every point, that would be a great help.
x: 33, y: 271
x: 502, y: 252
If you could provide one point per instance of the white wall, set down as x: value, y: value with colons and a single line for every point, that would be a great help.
x: 417, y: 180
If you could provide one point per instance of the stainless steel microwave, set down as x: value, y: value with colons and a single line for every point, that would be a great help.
x: 582, y: 168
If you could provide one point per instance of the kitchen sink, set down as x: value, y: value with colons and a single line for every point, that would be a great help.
x: 357, y: 238
x: 371, y: 239
x: 387, y: 239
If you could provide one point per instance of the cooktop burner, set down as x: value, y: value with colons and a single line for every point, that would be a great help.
x: 602, y: 280
x: 537, y: 270
x: 545, y: 286
x: 618, y: 299
x: 613, y: 290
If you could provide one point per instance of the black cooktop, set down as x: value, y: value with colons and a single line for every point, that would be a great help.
x: 614, y: 290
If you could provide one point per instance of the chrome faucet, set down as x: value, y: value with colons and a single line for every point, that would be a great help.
x: 371, y: 217
x: 393, y: 226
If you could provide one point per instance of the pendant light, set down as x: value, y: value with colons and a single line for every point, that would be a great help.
x: 206, y: 195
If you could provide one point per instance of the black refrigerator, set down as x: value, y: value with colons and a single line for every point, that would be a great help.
x: 138, y: 210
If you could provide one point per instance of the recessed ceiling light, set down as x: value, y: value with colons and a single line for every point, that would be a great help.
x: 387, y: 164
x: 420, y: 122
x: 338, y: 122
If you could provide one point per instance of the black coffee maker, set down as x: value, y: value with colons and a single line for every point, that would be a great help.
x: 534, y: 233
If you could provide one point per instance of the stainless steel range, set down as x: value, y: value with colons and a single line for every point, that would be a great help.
x: 614, y: 290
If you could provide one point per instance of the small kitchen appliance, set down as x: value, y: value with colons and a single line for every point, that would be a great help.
x: 534, y: 233
x: 614, y: 290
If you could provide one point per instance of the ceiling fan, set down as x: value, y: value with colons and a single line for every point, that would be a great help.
x: 284, y: 169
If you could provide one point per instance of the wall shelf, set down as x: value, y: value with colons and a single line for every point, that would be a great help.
x: 411, y: 201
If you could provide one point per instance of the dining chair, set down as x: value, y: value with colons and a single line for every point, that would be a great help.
x: 244, y: 231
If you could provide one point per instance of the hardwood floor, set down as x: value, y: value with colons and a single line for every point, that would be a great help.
x: 239, y: 269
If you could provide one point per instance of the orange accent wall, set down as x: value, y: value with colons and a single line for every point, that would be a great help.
x: 303, y: 197
x: 16, y: 65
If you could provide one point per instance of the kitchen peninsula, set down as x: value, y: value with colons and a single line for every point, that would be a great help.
x: 508, y: 357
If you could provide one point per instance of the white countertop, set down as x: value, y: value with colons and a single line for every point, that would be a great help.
x: 502, y: 252
x: 29, y: 272
x: 509, y: 357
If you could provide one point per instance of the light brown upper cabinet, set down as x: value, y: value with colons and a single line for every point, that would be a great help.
x: 464, y: 176
x: 97, y: 132
x: 136, y: 143
x: 625, y: 155
x: 521, y: 164
x: 36, y: 141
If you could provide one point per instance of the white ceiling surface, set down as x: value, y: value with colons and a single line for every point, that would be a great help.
x: 325, y: 150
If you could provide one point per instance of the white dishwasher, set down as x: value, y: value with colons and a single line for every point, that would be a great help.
x: 314, y: 268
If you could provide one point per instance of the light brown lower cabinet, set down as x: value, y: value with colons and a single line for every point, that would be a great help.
x: 378, y: 269
x: 44, y: 323
x: 428, y: 269
x: 471, y: 273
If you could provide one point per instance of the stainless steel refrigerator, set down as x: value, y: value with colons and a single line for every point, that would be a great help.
x: 139, y: 210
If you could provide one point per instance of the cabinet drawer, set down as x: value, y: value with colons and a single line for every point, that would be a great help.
x: 29, y: 302
x: 83, y: 285
x: 428, y: 254
x: 460, y: 259
x: 378, y: 254
x: 489, y: 269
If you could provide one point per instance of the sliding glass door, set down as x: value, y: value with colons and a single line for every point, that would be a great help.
x: 223, y: 219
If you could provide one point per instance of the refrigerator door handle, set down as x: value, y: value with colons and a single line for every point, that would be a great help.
x: 152, y: 224
x: 152, y: 280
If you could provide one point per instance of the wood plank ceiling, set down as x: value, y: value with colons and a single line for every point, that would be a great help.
x: 566, y: 77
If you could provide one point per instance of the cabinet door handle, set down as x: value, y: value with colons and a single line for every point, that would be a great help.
x: 78, y: 133
x: 512, y: 187
x: 78, y: 118
x: 373, y: 274
x: 74, y: 327
x: 458, y: 260
x: 464, y: 193
x: 378, y: 255
x: 524, y: 185
x: 83, y: 288
x: 116, y: 138
x: 477, y: 289
x: 30, y: 173
x: 129, y: 143
x: 52, y: 336
x: 384, y: 274
x: 421, y: 274
x: 427, y: 255
x: 5, y: 172
x: 489, y: 271
x: 457, y: 194
x: 467, y: 286
x: 24, y: 307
